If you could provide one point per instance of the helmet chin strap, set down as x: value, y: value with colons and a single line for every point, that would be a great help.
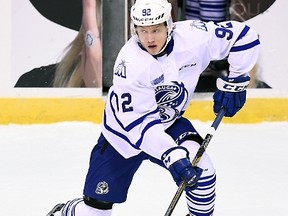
x: 163, y: 50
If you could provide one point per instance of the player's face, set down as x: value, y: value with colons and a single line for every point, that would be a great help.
x: 152, y: 38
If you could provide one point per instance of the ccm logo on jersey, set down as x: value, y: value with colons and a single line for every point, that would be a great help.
x: 231, y: 87
x: 187, y: 66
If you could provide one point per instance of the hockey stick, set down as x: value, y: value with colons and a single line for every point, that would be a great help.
x: 196, y: 159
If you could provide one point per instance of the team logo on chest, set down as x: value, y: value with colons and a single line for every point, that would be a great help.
x: 171, y: 98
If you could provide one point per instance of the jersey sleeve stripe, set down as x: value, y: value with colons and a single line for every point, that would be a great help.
x: 245, y: 47
x: 243, y: 33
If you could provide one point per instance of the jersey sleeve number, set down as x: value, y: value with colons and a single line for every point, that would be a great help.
x: 124, y: 102
x: 224, y: 31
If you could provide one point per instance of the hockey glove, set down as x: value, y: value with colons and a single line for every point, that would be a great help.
x: 231, y: 94
x: 177, y: 161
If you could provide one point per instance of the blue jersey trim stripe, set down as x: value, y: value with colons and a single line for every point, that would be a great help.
x: 245, y: 47
x: 122, y: 136
x: 140, y: 120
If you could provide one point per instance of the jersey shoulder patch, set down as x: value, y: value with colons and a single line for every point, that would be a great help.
x: 120, y: 69
x: 198, y: 24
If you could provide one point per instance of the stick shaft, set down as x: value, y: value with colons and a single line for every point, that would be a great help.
x: 196, y: 160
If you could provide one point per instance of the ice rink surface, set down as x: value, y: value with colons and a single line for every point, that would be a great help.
x: 42, y: 165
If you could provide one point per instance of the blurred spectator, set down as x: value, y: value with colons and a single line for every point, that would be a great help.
x: 243, y: 10
x: 206, y: 10
x: 81, y: 65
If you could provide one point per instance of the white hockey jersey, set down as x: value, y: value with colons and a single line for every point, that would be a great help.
x: 149, y: 94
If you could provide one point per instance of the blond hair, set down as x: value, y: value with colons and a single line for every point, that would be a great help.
x: 67, y: 74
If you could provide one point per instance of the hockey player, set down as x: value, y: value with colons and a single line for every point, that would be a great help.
x: 155, y: 75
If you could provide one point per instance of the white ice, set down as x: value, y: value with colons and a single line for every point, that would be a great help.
x: 42, y: 165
